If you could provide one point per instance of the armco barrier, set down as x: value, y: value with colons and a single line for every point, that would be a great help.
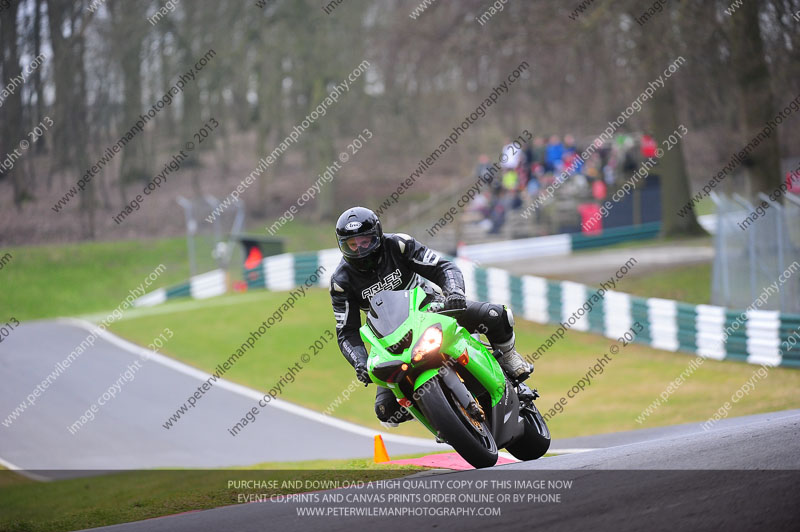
x: 761, y: 338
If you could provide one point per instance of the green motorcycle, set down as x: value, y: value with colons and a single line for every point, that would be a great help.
x: 449, y: 380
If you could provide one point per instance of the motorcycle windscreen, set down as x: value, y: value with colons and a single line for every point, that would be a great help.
x: 388, y: 310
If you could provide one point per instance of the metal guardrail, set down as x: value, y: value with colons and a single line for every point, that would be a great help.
x: 754, y: 243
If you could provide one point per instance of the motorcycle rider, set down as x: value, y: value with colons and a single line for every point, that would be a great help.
x: 373, y: 261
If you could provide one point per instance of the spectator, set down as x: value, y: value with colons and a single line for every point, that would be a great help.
x: 604, y: 151
x: 526, y: 166
x: 539, y: 150
x: 569, y: 144
x: 511, y: 156
x: 599, y: 189
x: 629, y: 162
x: 510, y: 180
x: 608, y: 174
x: 793, y: 180
x: 533, y: 186
x: 497, y: 215
x: 592, y: 166
x: 481, y: 204
x: 554, y: 154
x: 572, y: 160
x: 648, y: 147
x: 483, y: 165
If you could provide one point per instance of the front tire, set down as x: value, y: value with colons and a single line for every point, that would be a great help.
x: 535, y: 441
x: 471, y: 438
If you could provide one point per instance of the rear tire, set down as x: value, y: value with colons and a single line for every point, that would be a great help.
x: 535, y: 441
x: 474, y: 443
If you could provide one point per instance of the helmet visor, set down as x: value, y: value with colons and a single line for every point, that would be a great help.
x: 359, y: 246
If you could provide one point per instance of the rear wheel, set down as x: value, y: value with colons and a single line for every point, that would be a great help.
x: 535, y: 441
x: 470, y: 437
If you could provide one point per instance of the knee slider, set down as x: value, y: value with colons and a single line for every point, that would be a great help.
x: 386, y: 409
x: 380, y: 411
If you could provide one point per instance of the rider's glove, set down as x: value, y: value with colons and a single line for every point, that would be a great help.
x: 455, y: 301
x: 362, y: 374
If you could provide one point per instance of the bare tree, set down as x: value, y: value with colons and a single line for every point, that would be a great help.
x: 756, y: 102
x: 128, y: 27
x: 68, y: 22
x: 11, y: 111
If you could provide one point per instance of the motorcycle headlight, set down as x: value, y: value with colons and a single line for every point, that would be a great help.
x: 429, y: 342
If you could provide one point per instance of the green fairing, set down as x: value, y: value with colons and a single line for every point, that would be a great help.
x: 455, y: 340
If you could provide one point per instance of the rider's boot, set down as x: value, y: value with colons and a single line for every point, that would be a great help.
x: 512, y: 362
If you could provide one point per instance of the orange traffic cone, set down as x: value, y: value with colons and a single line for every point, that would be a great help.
x: 380, y: 450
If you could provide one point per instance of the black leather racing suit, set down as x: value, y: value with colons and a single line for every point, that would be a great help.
x: 404, y: 263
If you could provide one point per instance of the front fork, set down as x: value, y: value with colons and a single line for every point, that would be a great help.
x: 462, y: 395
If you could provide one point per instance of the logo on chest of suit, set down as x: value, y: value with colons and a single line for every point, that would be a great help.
x: 390, y: 282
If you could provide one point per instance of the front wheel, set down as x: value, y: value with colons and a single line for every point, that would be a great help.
x: 535, y: 441
x: 470, y: 437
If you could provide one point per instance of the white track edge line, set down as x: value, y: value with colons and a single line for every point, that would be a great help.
x: 243, y: 390
x: 25, y: 473
x: 574, y: 450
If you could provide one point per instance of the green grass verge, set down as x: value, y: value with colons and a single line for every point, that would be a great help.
x: 705, y: 206
x: 206, y: 336
x: 301, y: 235
x: 690, y: 284
x: 73, y: 279
x: 650, y: 243
x: 90, y: 502
x: 10, y: 478
x: 70, y: 279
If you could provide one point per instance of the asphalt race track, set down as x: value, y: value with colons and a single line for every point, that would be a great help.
x: 127, y: 432
x: 741, y: 477
x: 743, y: 474
x: 615, y: 439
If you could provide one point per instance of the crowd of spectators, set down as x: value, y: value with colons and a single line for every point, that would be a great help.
x: 528, y: 168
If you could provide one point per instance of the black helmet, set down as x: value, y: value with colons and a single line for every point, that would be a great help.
x: 360, y: 236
